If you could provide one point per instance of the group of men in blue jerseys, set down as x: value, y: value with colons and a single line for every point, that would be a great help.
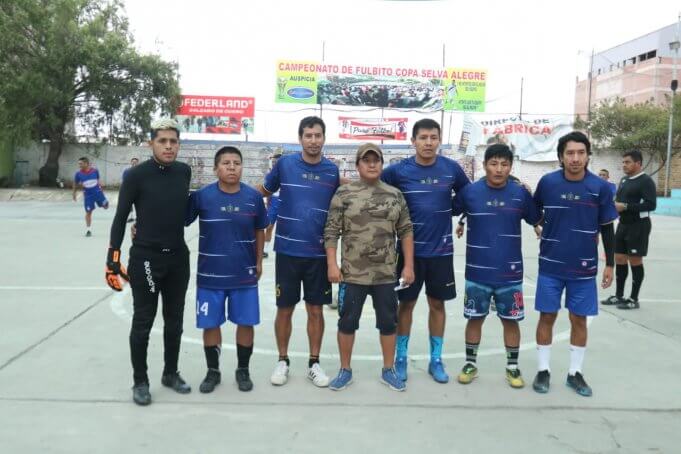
x: 570, y: 209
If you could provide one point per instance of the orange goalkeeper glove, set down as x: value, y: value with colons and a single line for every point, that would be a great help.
x: 114, y: 270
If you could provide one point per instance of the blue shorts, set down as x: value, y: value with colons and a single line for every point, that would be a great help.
x: 581, y: 295
x: 97, y: 198
x: 508, y: 300
x: 243, y: 307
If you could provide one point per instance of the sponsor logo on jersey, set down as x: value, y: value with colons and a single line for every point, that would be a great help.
x: 570, y: 196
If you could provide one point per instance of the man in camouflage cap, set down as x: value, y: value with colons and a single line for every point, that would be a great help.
x: 369, y: 214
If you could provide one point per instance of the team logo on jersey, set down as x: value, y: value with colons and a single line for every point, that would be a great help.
x: 310, y: 176
x: 230, y: 209
x: 570, y: 196
x: 513, y: 266
x: 496, y: 203
x: 429, y: 180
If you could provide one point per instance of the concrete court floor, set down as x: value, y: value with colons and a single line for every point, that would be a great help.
x: 65, y: 376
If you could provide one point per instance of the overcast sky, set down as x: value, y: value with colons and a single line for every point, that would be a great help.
x: 229, y: 48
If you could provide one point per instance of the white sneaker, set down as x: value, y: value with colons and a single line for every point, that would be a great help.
x: 318, y: 376
x: 280, y: 375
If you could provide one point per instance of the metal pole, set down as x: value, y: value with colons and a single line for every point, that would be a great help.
x: 442, y: 112
x: 321, y: 109
x: 520, y: 113
x: 588, y: 111
x: 674, y: 84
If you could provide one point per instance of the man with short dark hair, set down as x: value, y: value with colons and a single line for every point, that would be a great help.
x: 368, y: 214
x: 577, y: 205
x: 88, y: 178
x: 427, y: 181
x: 605, y: 174
x: 495, y: 207
x: 232, y: 219
x: 306, y: 182
x: 636, y: 198
x: 159, y: 258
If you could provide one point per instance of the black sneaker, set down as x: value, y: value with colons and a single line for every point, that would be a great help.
x: 542, y: 381
x: 176, y: 382
x: 612, y: 301
x: 209, y: 383
x: 243, y: 379
x: 140, y: 394
x: 628, y: 304
x: 577, y: 383
x: 88, y: 234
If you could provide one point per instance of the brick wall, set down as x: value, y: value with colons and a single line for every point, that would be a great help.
x: 111, y: 161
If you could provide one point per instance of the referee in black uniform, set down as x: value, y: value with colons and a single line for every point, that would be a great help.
x: 159, y: 258
x: 636, y: 198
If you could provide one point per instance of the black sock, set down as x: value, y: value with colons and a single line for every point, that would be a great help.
x: 243, y: 355
x: 621, y: 273
x: 285, y: 358
x: 636, y: 281
x: 212, y: 356
x: 472, y: 352
x: 313, y: 360
x: 512, y: 356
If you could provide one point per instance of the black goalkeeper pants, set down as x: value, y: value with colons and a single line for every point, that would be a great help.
x: 153, y: 272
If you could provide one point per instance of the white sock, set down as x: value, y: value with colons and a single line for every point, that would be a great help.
x: 543, y: 357
x: 576, y: 359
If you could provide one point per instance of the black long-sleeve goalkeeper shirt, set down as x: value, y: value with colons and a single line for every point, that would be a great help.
x: 159, y: 194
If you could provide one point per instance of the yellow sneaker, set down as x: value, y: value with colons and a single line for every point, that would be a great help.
x: 514, y: 378
x: 468, y: 373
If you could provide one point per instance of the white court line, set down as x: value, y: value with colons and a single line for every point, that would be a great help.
x: 119, y: 308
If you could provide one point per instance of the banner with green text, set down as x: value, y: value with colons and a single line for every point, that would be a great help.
x: 451, y: 89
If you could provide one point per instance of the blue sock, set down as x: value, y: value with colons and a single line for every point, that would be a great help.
x: 435, y: 348
x: 402, y: 346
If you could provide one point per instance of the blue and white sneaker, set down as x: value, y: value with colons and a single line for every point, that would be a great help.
x: 437, y: 370
x: 389, y: 377
x: 342, y: 380
x: 401, y: 367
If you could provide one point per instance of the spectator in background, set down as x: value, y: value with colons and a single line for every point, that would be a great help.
x: 603, y: 173
x: 133, y: 163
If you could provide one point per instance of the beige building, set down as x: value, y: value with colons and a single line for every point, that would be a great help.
x: 637, y: 71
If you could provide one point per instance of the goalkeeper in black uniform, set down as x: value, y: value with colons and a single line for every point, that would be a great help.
x: 159, y: 258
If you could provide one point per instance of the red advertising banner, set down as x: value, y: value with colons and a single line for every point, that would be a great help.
x: 218, y: 106
x: 372, y: 128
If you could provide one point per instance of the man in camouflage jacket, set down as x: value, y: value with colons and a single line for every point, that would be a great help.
x: 369, y: 215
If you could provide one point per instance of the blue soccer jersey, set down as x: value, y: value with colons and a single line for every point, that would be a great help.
x: 613, y: 187
x: 493, y: 248
x: 305, y: 192
x: 90, y: 181
x: 227, y: 225
x: 428, y: 192
x: 573, y: 214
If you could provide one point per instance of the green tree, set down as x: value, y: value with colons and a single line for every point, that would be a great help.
x: 644, y: 127
x: 73, y: 62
